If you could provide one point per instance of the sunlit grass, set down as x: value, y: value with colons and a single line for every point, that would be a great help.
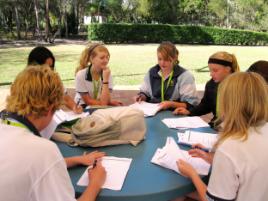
x: 128, y: 63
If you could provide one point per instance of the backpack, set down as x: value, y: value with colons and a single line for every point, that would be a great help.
x: 111, y: 126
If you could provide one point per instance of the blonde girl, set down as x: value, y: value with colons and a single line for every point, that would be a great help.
x: 167, y: 82
x: 221, y: 64
x: 240, y: 162
x: 93, y: 81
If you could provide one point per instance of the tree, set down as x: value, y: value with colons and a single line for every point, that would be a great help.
x: 36, y: 10
x: 194, y: 11
x: 217, y: 9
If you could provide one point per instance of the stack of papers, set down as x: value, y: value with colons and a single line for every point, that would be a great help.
x: 171, y: 152
x: 149, y: 109
x: 59, y: 117
x: 193, y: 137
x: 116, y: 170
x: 185, y: 122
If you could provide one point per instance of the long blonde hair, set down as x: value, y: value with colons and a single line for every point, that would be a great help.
x: 89, y: 53
x: 34, y: 90
x: 225, y: 56
x: 243, y: 98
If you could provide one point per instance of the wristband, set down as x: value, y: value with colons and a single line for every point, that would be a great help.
x: 105, y: 83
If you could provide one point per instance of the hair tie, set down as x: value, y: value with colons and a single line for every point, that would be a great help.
x: 219, y: 61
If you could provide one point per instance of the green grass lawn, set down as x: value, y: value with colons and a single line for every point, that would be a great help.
x: 128, y: 63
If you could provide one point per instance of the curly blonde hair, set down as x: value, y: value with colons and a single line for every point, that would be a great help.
x: 243, y: 98
x: 89, y: 53
x: 34, y: 90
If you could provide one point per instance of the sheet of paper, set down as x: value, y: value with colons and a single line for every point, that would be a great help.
x: 149, y: 109
x: 171, y: 152
x: 194, y: 137
x: 185, y: 122
x: 50, y: 129
x: 59, y: 117
x: 116, y: 169
x: 201, y: 166
x: 70, y: 115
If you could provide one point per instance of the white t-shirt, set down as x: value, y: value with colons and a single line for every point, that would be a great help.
x: 84, y: 84
x: 239, y: 170
x: 32, y: 168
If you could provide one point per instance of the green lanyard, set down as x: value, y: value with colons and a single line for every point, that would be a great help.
x: 96, y: 87
x: 163, y: 83
x: 17, y: 124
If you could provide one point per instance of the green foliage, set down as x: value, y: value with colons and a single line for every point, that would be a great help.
x: 148, y: 33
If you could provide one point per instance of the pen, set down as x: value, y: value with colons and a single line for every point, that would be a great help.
x: 92, y: 166
x: 203, y: 149
x: 77, y: 104
x: 189, y: 145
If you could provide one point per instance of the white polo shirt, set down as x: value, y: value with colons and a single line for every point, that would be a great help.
x: 239, y: 170
x: 84, y: 84
x: 32, y: 168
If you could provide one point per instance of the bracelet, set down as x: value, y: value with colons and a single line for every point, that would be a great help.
x: 105, y: 83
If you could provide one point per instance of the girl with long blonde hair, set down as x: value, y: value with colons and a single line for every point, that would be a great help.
x: 240, y: 162
x: 93, y: 81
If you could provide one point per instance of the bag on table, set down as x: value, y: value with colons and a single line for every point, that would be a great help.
x: 111, y: 126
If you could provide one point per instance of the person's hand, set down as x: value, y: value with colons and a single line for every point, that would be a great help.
x: 186, y: 169
x: 97, y: 175
x: 77, y: 109
x: 165, y: 105
x: 197, y: 152
x: 115, y: 103
x: 181, y: 110
x: 88, y: 159
x: 139, y: 98
x: 106, y: 74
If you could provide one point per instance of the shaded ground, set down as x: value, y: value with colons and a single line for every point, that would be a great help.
x: 28, y: 43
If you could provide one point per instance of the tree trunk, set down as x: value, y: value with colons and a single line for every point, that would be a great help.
x: 47, y: 31
x: 65, y: 19
x: 36, y: 9
x: 17, y: 21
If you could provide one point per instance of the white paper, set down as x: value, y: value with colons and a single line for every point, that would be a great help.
x: 68, y: 115
x: 59, y: 117
x: 116, y: 170
x: 171, y: 152
x: 185, y: 122
x: 193, y: 137
x: 149, y: 109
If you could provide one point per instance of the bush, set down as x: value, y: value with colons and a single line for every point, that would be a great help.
x: 183, y: 34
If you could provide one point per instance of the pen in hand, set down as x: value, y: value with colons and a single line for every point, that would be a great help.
x: 93, y: 165
x: 78, y: 102
x: 205, y: 149
x: 77, y: 108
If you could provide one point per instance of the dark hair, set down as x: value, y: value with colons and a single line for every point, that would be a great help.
x: 39, y: 55
x: 260, y: 67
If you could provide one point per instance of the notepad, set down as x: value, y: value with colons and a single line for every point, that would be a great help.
x: 149, y: 109
x: 193, y: 137
x: 171, y: 152
x: 185, y: 122
x: 116, y: 170
x: 59, y: 117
